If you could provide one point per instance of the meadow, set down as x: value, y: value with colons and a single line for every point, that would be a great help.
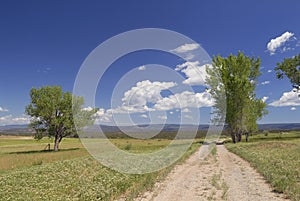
x: 28, y: 171
x: 277, y: 157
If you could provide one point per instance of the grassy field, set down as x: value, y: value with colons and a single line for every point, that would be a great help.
x: 277, y: 157
x: 19, y: 152
x: 28, y: 172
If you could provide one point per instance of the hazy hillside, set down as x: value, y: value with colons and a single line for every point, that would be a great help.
x: 24, y: 130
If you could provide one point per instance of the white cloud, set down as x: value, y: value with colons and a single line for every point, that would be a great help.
x: 163, y: 117
x: 3, y: 109
x: 287, y: 99
x: 184, y: 100
x: 9, y: 120
x: 196, y: 74
x: 5, y: 118
x: 129, y: 109
x: 285, y: 49
x: 293, y: 108
x: 103, y: 116
x: 265, y: 82
x: 142, y: 68
x: 87, y: 108
x: 278, y: 42
x: 188, y: 116
x: 269, y: 71
x: 265, y: 98
x: 186, y: 48
x: 21, y: 120
x: 171, y: 112
x: 144, y: 116
x: 186, y: 110
x: 135, y: 100
x: 189, y: 56
x: 144, y: 92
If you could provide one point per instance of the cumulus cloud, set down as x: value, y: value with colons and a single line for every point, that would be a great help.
x: 189, y: 56
x: 293, y: 108
x: 269, y: 71
x: 3, y: 109
x: 145, y: 96
x: 287, y: 99
x: 87, y: 108
x: 144, y: 116
x: 186, y: 48
x: 4, y: 118
x: 186, y: 110
x: 265, y: 82
x: 103, y: 116
x: 144, y: 92
x: 163, y: 117
x: 277, y: 42
x: 184, y: 100
x: 9, y: 119
x: 265, y: 98
x: 188, y: 116
x: 195, y: 73
x: 135, y: 100
x: 142, y: 68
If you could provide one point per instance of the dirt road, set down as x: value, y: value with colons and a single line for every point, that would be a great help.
x: 223, y: 176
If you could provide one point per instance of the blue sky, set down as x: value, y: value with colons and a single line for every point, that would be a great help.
x: 45, y: 43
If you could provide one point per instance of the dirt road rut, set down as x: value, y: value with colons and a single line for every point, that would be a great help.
x: 223, y: 176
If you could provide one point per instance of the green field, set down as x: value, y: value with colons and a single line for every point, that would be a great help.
x: 28, y: 172
x: 277, y: 157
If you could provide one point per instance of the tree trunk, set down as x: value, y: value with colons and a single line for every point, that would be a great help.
x: 247, y: 136
x: 233, y: 137
x: 239, y: 137
x: 57, y: 140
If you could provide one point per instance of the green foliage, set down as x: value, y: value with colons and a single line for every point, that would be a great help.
x: 128, y: 147
x: 235, y: 98
x: 53, y: 112
x: 290, y: 67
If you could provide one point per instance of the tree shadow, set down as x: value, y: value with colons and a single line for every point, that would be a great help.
x: 42, y: 151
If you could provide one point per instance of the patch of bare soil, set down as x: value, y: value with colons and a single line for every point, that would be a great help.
x: 16, y: 137
x: 223, y: 176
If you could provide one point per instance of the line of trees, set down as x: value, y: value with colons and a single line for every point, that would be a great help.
x: 236, y: 103
x: 59, y: 114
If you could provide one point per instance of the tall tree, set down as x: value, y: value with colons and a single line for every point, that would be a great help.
x: 53, y: 113
x: 289, y: 67
x: 235, y: 98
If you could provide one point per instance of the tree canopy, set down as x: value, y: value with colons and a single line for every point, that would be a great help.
x: 289, y: 67
x: 235, y: 98
x: 52, y: 113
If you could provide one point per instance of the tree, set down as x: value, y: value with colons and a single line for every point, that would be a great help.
x: 290, y: 67
x: 53, y: 112
x: 235, y: 98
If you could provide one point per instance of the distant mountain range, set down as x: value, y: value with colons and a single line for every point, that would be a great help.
x: 23, y: 129
x: 16, y: 130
